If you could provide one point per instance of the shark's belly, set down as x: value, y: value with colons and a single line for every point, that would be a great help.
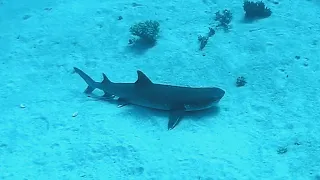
x: 167, y: 106
x: 152, y: 105
x: 191, y: 107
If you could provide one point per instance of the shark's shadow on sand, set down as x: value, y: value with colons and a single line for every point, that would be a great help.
x: 142, y: 113
x: 176, y: 100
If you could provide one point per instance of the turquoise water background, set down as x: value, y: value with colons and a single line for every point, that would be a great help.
x: 267, y: 129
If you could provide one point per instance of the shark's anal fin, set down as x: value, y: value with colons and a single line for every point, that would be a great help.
x: 108, y: 96
x: 175, y: 117
x: 122, y: 102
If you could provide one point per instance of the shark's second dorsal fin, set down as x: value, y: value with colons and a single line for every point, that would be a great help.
x: 105, y: 79
x: 142, y: 79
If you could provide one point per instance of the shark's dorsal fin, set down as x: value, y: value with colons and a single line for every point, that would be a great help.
x: 105, y: 79
x: 142, y: 79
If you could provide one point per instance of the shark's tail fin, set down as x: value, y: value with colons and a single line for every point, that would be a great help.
x: 92, y: 85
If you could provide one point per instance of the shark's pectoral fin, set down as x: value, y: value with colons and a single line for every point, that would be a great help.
x: 175, y: 117
x: 122, y: 102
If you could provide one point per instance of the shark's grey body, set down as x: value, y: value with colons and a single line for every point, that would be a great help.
x: 143, y: 92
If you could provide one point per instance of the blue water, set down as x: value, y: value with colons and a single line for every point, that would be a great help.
x: 266, y: 129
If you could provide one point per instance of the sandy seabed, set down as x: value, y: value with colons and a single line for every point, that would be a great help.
x: 267, y: 129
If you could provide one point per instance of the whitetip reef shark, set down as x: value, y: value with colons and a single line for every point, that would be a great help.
x: 175, y: 99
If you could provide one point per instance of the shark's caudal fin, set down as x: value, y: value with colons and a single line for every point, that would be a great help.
x: 92, y: 85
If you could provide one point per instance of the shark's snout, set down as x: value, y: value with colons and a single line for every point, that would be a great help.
x: 219, y: 93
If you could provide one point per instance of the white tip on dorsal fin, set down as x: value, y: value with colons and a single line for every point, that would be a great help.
x: 142, y: 79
